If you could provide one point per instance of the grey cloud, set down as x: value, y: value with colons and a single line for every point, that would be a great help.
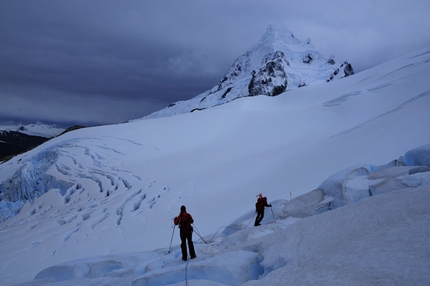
x: 116, y: 53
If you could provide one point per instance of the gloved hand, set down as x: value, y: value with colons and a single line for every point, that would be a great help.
x: 270, y: 206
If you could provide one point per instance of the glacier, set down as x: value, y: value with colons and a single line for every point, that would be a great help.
x: 304, y: 241
x: 103, y: 197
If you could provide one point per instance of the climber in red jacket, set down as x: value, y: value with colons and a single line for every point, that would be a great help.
x: 184, y: 220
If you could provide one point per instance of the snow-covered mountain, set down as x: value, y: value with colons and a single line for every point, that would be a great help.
x: 17, y: 138
x: 277, y: 63
x: 34, y: 129
x: 106, y: 195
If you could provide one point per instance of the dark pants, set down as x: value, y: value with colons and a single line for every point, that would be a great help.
x: 184, y: 238
x: 259, y: 218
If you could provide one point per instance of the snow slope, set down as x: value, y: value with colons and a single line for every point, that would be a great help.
x: 113, y: 190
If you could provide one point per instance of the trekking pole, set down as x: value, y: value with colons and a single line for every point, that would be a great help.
x: 197, y: 232
x: 273, y: 214
x: 174, y: 226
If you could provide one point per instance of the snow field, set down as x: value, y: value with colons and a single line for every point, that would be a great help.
x: 114, y: 190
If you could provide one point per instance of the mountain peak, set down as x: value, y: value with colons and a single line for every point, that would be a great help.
x: 277, y: 63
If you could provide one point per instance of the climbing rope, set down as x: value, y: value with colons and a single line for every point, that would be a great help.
x: 211, y: 240
x: 198, y: 233
x: 230, y: 227
x: 186, y: 274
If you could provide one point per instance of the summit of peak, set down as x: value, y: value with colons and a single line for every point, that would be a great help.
x: 277, y: 37
x: 278, y: 30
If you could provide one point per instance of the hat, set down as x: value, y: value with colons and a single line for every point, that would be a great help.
x: 183, y: 209
x: 260, y: 195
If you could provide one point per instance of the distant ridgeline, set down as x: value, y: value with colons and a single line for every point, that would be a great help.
x: 277, y: 63
x: 16, y: 139
x: 13, y: 143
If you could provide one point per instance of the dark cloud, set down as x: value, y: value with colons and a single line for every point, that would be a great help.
x: 95, y: 62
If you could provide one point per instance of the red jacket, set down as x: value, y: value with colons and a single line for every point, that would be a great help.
x: 184, y: 220
x: 261, y: 203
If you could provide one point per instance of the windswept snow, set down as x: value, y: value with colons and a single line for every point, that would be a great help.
x: 113, y: 191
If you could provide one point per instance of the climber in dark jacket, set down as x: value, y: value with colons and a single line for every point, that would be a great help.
x: 184, y: 220
x: 259, y: 208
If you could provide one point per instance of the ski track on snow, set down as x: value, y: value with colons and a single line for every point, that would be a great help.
x: 417, y: 97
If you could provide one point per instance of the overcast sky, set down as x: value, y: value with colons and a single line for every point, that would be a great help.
x: 100, y: 62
